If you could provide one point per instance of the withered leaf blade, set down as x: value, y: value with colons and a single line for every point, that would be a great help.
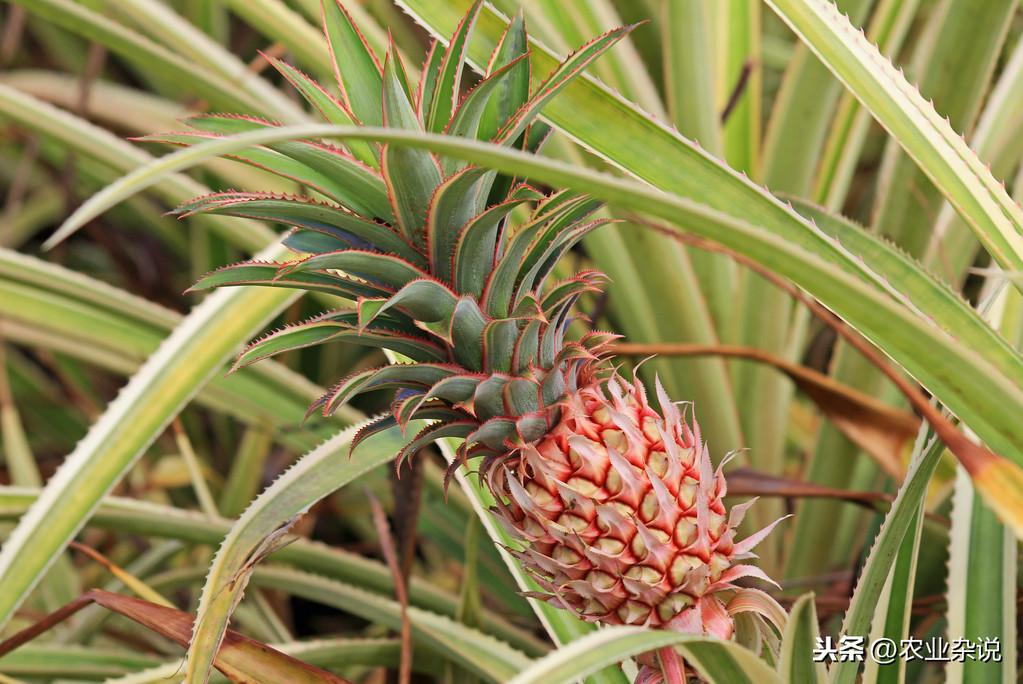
x: 240, y: 659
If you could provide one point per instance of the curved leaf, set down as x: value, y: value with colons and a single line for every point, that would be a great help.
x: 338, y: 653
x: 794, y: 248
x: 469, y: 116
x: 185, y: 362
x: 489, y: 658
x: 983, y: 552
x: 909, y: 282
x: 581, y: 112
x: 881, y: 558
x: 323, y: 329
x: 719, y: 661
x: 941, y: 153
x: 165, y: 25
x: 151, y: 57
x: 798, y: 643
x: 390, y: 271
x: 97, y: 143
x: 981, y: 586
x: 131, y: 516
x: 455, y: 202
x: 269, y: 275
x: 560, y: 78
x: 309, y: 214
x: 263, y: 527
x: 46, y: 306
x: 68, y: 661
x: 355, y: 66
x: 449, y: 76
x: 474, y: 250
x: 412, y: 176
x: 426, y: 300
x: 326, y: 104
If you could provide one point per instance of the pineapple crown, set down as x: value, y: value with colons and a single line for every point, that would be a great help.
x: 422, y: 243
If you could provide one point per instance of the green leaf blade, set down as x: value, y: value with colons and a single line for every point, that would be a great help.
x: 939, y: 151
x: 355, y: 66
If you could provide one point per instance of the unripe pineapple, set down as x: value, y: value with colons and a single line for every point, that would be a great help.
x: 618, y: 508
x: 623, y: 513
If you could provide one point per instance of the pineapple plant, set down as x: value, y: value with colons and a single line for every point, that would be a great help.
x: 607, y: 505
x: 616, y: 504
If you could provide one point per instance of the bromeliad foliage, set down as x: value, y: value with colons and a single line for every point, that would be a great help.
x: 617, y: 506
x: 465, y: 236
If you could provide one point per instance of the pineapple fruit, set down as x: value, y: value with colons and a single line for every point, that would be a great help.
x: 623, y: 514
x: 617, y: 506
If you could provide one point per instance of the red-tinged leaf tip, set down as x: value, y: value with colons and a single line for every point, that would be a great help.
x: 313, y: 408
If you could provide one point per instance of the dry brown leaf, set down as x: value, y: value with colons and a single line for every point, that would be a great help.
x: 241, y: 659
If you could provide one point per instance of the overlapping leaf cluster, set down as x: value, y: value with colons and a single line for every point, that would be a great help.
x: 422, y: 243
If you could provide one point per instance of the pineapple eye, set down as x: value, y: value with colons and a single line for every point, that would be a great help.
x: 685, y: 532
x: 572, y: 522
x: 638, y: 546
x: 681, y: 567
x: 601, y: 580
x: 583, y: 486
x: 716, y: 524
x: 718, y: 564
x: 613, y: 483
x: 673, y: 605
x: 658, y: 462
x: 609, y: 545
x: 541, y: 496
x: 565, y: 555
x: 687, y: 492
x: 650, y: 430
x: 615, y: 439
x: 649, y: 507
x: 645, y: 574
x: 633, y: 612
